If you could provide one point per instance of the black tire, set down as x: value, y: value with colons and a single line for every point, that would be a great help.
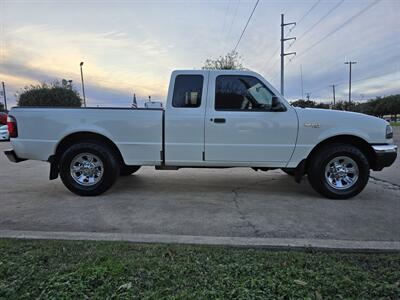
x: 290, y: 172
x: 319, y: 161
x: 128, y: 170
x: 108, y: 159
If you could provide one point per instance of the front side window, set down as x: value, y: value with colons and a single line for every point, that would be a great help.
x: 187, y: 91
x: 247, y: 93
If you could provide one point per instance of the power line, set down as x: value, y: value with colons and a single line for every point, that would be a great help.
x: 233, y: 19
x: 322, y: 18
x: 348, y: 21
x: 366, y: 78
x: 301, y: 19
x: 338, y: 83
x: 271, y: 57
x: 307, y: 13
x: 226, y: 14
x: 274, y: 75
x: 244, y: 29
x: 330, y: 63
x: 319, y: 21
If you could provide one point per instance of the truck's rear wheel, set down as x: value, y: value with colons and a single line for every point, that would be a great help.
x: 128, y: 170
x: 338, y: 171
x: 88, y: 169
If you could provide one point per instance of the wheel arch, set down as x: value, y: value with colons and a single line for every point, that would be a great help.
x: 82, y: 136
x: 353, y: 140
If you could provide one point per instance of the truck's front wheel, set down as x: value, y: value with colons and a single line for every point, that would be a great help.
x: 338, y: 171
x: 88, y: 169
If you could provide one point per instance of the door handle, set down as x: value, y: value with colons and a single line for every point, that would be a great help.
x: 219, y: 120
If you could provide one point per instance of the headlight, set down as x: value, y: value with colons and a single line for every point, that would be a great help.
x: 389, y: 132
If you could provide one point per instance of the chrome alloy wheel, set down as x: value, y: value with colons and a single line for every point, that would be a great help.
x: 341, y: 172
x: 86, y: 169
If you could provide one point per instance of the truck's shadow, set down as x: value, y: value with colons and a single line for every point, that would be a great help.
x: 206, y: 185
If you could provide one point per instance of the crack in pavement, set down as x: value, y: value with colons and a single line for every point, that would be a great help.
x: 389, y: 185
x: 242, y: 214
x: 257, y: 232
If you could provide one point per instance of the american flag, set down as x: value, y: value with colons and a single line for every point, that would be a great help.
x: 134, y: 103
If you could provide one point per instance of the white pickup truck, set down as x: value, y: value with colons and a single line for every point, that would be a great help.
x: 212, y: 119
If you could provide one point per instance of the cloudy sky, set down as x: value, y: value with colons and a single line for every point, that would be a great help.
x: 132, y: 46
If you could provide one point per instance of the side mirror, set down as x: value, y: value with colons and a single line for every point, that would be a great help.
x: 276, y: 105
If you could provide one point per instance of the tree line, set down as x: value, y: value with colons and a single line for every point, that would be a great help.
x: 379, y: 107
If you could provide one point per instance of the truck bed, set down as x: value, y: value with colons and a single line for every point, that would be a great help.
x: 136, y: 132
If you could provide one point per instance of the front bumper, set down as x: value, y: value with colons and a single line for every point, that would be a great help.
x: 385, y: 156
x: 12, y: 156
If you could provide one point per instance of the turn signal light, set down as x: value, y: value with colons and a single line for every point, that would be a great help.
x: 12, y: 127
x: 389, y: 132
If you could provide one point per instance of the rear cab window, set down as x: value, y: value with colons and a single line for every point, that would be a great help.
x: 187, y: 91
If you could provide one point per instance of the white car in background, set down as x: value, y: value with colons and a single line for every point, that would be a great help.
x: 4, y: 136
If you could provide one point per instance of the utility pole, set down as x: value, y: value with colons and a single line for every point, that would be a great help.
x: 4, y: 95
x: 83, y: 85
x: 334, y: 98
x: 308, y: 96
x: 283, y: 54
x: 350, y: 63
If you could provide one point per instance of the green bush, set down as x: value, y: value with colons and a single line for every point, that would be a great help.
x: 55, y: 94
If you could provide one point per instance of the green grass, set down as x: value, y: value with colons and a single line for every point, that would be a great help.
x: 98, y: 270
x: 395, y: 123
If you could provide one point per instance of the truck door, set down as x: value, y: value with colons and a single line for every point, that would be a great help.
x: 241, y: 126
x: 184, y: 118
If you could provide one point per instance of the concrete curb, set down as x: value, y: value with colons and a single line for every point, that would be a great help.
x: 322, y: 244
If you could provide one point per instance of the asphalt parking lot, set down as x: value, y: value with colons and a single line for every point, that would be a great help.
x: 200, y: 202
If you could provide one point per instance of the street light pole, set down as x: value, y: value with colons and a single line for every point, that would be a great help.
x: 4, y: 94
x: 350, y: 63
x: 83, y: 85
